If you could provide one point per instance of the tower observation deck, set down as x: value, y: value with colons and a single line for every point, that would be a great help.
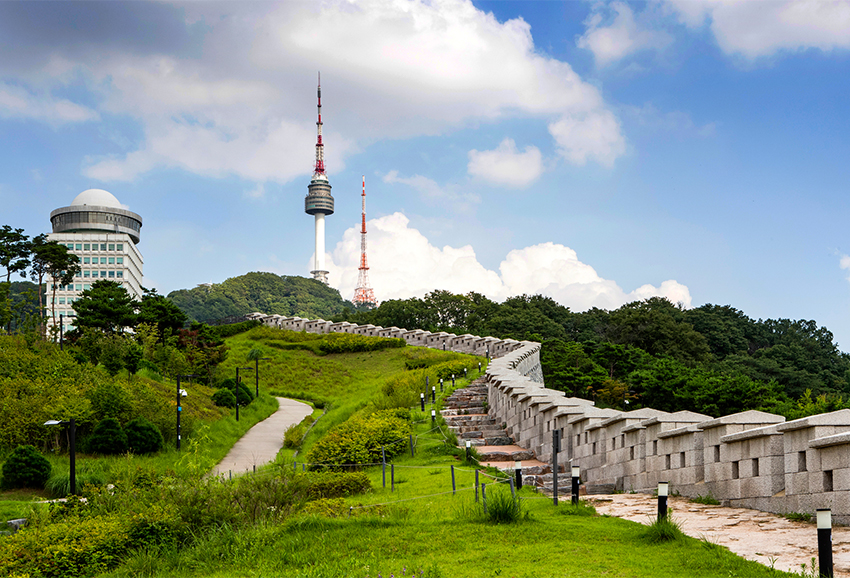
x: 319, y: 201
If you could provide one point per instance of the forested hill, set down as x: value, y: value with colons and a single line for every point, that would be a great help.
x: 712, y: 359
x: 264, y: 292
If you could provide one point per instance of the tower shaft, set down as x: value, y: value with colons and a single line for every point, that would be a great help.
x: 319, y: 201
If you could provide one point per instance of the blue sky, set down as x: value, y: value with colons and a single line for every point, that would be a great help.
x: 594, y: 152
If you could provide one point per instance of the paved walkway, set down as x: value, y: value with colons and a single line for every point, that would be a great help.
x: 262, y: 442
x: 760, y: 536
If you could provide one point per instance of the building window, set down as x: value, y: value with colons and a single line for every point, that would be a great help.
x: 78, y: 287
x: 103, y: 246
x: 103, y: 274
x: 103, y: 260
x: 61, y: 301
x: 86, y: 273
x: 70, y: 245
x: 79, y: 247
x: 112, y: 274
x: 119, y: 274
x: 119, y: 247
x: 120, y: 260
x: 112, y: 260
x: 111, y: 247
x: 86, y: 286
x: 86, y: 247
x: 86, y: 261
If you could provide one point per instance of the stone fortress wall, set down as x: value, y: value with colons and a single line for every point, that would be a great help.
x: 750, y: 459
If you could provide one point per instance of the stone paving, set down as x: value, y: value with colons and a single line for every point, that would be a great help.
x: 261, y: 443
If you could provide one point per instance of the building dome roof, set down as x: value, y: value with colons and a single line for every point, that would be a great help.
x: 97, y: 197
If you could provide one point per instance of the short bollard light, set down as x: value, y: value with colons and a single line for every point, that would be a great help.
x: 663, y: 489
x: 72, y: 449
x: 518, y: 474
x: 434, y: 392
x: 464, y: 372
x: 468, y: 445
x: 479, y: 367
x: 441, y: 384
x: 453, y: 379
x: 824, y: 517
x: 576, y: 479
x: 422, y: 401
x: 433, y: 415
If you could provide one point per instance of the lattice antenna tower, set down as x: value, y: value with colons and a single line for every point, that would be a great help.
x: 363, y: 294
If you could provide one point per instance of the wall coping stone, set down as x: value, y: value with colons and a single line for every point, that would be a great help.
x: 592, y: 413
x: 640, y: 414
x: 840, y: 417
x: 833, y: 440
x: 633, y: 427
x: 571, y: 410
x: 745, y: 417
x: 768, y: 430
x: 683, y: 416
x: 679, y: 431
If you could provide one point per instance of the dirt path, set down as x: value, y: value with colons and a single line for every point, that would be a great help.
x: 261, y: 443
x: 752, y: 534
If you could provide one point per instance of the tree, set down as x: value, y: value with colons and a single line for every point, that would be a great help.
x: 106, y: 306
x: 15, y: 249
x: 159, y: 310
x: 51, y: 258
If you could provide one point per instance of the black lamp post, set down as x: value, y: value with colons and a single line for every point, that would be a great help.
x: 180, y: 394
x: 257, y: 373
x: 61, y: 332
x: 237, y: 389
x: 72, y: 434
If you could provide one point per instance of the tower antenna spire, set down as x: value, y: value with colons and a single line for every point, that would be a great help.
x: 363, y: 294
x: 320, y: 147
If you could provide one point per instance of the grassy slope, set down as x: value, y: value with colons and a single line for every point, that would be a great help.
x: 422, y: 527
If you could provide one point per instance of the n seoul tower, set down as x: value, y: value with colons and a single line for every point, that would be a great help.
x: 319, y: 201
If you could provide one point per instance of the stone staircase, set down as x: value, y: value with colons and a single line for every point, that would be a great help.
x: 466, y: 415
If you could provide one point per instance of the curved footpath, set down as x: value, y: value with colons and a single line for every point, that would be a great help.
x: 261, y: 443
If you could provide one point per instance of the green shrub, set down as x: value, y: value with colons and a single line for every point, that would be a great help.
x: 246, y: 395
x: 143, y: 437
x: 293, y: 435
x: 224, y: 398
x: 359, y: 440
x: 337, y: 484
x: 107, y: 438
x: 663, y: 530
x: 351, y: 342
x: 503, y: 507
x: 223, y: 331
x: 707, y: 500
x: 327, y: 507
x: 25, y: 468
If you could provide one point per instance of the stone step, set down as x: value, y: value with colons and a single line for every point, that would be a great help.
x: 502, y: 456
x: 596, y: 489
x: 485, y: 429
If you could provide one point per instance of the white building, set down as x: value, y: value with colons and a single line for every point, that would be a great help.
x: 104, y: 235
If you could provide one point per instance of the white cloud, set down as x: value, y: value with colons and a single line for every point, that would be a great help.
x: 595, y: 135
x: 16, y: 102
x: 242, y: 103
x: 403, y: 263
x: 505, y: 165
x: 622, y: 37
x: 757, y: 29
x: 844, y: 263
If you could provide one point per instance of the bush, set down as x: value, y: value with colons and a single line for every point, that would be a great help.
x: 246, y: 395
x: 143, y: 437
x: 293, y: 435
x: 25, y: 468
x: 503, y: 507
x: 351, y: 342
x: 107, y: 438
x: 224, y: 398
x: 359, y: 440
x: 324, y: 485
x: 327, y: 508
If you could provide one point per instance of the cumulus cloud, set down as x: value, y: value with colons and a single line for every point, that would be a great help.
x: 235, y: 95
x: 591, y: 136
x: 757, y: 29
x: 844, y: 263
x: 405, y: 264
x: 505, y: 165
x: 621, y: 37
x: 16, y: 102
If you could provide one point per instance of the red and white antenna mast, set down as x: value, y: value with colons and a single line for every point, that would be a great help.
x: 320, y: 148
x: 363, y: 294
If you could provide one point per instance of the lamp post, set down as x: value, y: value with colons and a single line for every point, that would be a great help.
x: 72, y: 448
x: 61, y: 332
x: 257, y: 373
x: 180, y: 394
x: 237, y: 389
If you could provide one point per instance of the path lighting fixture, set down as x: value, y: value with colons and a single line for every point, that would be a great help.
x: 824, y: 518
x: 181, y: 393
x: 257, y: 373
x: 576, y: 483
x: 72, y: 448
x: 663, y: 490
x: 237, y: 388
